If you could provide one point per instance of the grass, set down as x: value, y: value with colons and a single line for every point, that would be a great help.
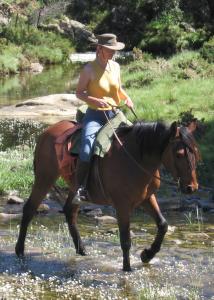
x: 163, y: 89
x: 16, y: 170
x: 21, y: 44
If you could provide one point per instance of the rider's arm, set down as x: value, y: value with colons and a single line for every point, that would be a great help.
x: 82, y: 89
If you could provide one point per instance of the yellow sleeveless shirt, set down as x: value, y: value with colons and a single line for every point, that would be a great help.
x: 105, y: 84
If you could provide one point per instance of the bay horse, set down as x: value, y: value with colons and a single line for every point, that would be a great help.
x: 126, y: 177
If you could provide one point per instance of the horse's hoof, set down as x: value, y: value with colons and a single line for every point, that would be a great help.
x: 19, y: 252
x: 127, y: 269
x: 82, y: 252
x: 146, y: 256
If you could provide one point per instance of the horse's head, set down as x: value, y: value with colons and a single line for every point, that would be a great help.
x: 181, y: 155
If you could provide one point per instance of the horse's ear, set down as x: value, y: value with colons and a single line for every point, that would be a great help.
x: 192, y: 125
x: 174, y: 130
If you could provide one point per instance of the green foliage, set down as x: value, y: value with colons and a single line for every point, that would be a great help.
x: 166, y: 36
x: 10, y: 58
x: 16, y: 170
x: 170, y: 96
x: 207, y: 50
x: 21, y: 44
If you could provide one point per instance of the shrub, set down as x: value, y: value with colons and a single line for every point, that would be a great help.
x: 207, y: 50
x: 10, y: 58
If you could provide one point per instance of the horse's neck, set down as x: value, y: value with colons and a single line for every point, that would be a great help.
x: 144, y: 161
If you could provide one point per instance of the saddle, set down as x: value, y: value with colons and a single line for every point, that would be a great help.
x: 67, y: 145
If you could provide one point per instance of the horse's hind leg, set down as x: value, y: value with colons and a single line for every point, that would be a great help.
x: 71, y: 213
x: 39, y: 191
x: 151, y: 206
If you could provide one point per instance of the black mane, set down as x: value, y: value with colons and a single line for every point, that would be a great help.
x: 152, y: 137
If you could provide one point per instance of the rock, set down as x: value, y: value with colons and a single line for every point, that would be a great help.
x: 14, y: 200
x: 198, y: 236
x: 7, y: 217
x: 43, y: 208
x: 72, y: 28
x: 5, y: 13
x: 48, y: 109
x: 105, y: 220
x: 171, y: 229
x: 178, y: 242
x: 94, y: 212
x: 36, y: 68
x: 12, y: 193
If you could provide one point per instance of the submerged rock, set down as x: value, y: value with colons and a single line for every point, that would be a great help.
x: 105, y: 220
x: 14, y: 200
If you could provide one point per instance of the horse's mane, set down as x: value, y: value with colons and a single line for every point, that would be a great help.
x: 153, y: 137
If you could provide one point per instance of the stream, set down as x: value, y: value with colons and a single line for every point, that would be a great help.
x: 183, y: 269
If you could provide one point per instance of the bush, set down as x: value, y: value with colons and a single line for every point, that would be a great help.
x: 10, y: 58
x: 169, y: 36
x: 207, y: 50
x: 47, y: 47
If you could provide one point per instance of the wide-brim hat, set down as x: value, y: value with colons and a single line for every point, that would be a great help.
x: 109, y: 40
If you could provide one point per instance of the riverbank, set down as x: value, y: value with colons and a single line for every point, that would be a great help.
x: 47, y: 109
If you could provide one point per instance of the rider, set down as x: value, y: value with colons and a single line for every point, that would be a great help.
x: 100, y: 87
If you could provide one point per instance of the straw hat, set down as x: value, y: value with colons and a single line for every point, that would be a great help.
x: 109, y: 40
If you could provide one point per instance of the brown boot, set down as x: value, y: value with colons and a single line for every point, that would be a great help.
x: 80, y: 196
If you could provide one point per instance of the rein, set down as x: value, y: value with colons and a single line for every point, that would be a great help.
x: 170, y: 182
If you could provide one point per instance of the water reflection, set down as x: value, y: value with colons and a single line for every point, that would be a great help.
x: 53, y: 80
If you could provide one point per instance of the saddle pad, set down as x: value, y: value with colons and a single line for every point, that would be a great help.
x: 104, y: 136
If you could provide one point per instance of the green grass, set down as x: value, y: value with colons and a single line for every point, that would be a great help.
x: 22, y: 44
x: 16, y: 170
x: 163, y: 89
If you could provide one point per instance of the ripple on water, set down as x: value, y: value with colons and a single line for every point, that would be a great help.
x: 52, y: 270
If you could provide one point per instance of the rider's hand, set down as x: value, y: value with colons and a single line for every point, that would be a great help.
x: 129, y: 103
x: 100, y: 103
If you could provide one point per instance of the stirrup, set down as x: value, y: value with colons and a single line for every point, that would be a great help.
x: 80, y: 197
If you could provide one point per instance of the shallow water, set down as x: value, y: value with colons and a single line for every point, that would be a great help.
x: 183, y: 269
x: 58, y: 79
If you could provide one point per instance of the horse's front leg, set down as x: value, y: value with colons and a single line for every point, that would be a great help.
x: 151, y: 207
x: 71, y: 212
x: 125, y: 239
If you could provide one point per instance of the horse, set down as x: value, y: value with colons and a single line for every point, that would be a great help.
x: 126, y: 177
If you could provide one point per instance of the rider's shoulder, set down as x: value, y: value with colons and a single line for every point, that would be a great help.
x: 115, y: 64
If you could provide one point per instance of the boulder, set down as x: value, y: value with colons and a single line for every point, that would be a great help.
x: 36, y: 68
x: 105, y: 220
x: 72, y: 28
x: 13, y: 199
x: 48, y: 109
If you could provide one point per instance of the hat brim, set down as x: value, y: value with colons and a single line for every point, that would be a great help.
x: 118, y: 46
